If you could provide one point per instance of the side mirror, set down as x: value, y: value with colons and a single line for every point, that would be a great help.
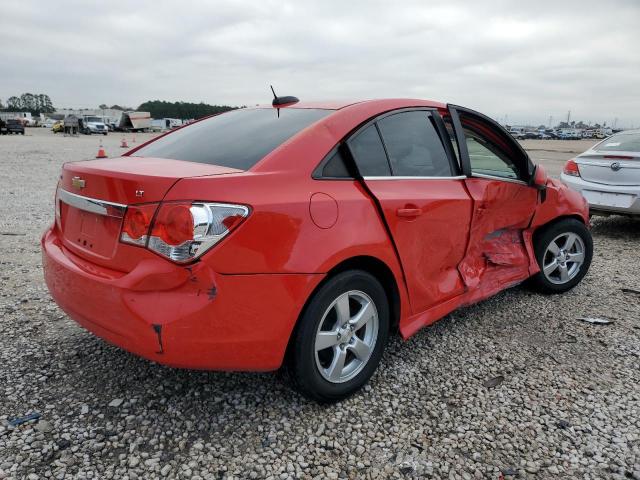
x: 540, y: 177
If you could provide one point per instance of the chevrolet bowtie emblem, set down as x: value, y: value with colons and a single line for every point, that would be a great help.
x: 77, y: 182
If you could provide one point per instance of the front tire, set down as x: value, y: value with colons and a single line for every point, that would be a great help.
x: 340, y: 337
x: 563, y: 251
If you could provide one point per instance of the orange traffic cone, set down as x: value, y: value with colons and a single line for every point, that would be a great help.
x: 123, y: 144
x: 101, y: 152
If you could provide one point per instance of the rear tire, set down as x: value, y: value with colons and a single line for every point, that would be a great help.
x: 563, y: 251
x: 340, y: 337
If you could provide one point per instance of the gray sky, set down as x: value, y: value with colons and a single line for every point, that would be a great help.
x: 527, y: 60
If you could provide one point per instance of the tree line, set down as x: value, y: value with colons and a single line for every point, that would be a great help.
x: 36, y: 103
x: 182, y: 110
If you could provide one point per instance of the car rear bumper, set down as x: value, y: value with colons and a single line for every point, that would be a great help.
x: 606, y: 198
x: 190, y: 317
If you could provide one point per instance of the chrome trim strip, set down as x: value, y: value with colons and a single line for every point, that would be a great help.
x: 101, y: 207
x: 599, y: 163
x: 504, y: 179
x: 458, y: 177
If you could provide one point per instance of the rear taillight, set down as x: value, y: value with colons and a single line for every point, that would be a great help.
x: 571, y: 168
x: 137, y: 221
x: 180, y: 231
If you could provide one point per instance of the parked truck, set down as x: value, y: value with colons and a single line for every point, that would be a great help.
x: 135, y: 122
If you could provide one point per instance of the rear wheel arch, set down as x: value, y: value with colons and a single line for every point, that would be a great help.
x: 381, y: 271
x: 372, y: 265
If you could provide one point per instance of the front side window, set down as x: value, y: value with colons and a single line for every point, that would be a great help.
x: 413, y: 145
x: 236, y: 139
x: 488, y: 152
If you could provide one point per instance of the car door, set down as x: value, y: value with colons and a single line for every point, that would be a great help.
x: 499, y: 175
x: 420, y: 193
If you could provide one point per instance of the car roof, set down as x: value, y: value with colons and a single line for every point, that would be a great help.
x: 384, y: 103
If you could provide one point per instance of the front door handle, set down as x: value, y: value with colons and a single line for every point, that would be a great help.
x: 409, y: 212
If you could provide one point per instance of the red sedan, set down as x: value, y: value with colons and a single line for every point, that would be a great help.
x: 304, y: 234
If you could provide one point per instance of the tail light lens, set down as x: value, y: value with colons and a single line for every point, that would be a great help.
x: 180, y: 231
x: 571, y: 168
x: 137, y: 220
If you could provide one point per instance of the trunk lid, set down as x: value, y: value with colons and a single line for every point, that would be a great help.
x: 93, y: 196
x: 611, y: 168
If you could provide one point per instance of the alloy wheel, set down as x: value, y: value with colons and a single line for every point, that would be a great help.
x: 563, y: 258
x: 346, y: 336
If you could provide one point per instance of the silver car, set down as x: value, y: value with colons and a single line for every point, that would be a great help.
x: 608, y: 174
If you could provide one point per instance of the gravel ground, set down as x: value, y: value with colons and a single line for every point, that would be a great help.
x: 513, y: 387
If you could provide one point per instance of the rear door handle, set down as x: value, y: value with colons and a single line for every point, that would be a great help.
x: 409, y: 212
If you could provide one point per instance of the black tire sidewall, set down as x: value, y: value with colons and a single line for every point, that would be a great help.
x: 305, y: 371
x: 543, y: 241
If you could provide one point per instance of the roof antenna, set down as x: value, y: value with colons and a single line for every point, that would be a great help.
x: 280, y: 101
x: 275, y: 100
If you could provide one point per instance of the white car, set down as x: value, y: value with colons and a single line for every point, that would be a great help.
x: 608, y: 174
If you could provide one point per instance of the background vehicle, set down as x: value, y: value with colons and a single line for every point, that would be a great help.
x: 134, y: 121
x: 608, y: 174
x: 160, y: 124
x: 304, y: 234
x: 47, y: 123
x: 58, y: 126
x: 603, y: 132
x: 92, y: 125
x: 24, y: 117
x: 15, y: 126
x: 3, y: 127
x: 570, y: 134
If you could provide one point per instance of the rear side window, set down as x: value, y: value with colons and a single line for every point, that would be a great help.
x: 236, y: 139
x: 413, y: 145
x: 621, y: 142
x: 368, y: 153
x: 336, y: 167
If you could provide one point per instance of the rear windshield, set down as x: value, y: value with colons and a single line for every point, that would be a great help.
x: 621, y: 142
x: 236, y: 139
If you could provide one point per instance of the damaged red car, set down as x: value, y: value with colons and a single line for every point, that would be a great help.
x: 304, y: 234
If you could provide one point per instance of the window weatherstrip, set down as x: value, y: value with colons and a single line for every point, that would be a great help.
x: 457, y: 177
x: 446, y: 142
x: 461, y: 141
x: 496, y: 177
x: 384, y: 146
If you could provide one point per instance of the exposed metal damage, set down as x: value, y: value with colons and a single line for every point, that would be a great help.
x: 158, y: 329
